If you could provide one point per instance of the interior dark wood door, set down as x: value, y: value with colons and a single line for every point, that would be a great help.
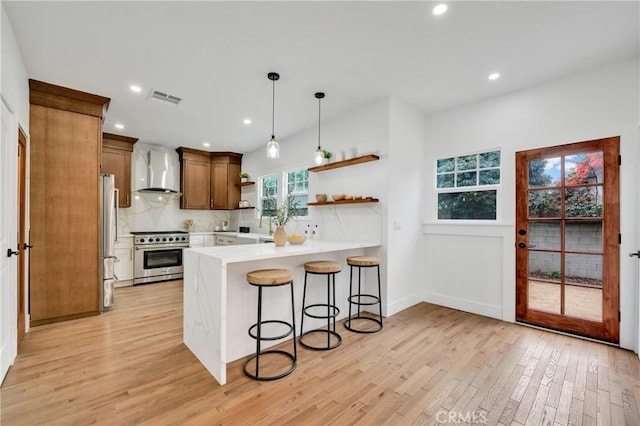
x: 22, y: 231
x: 567, y: 238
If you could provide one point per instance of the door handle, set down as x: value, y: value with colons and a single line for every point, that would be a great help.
x: 11, y: 252
x: 27, y: 246
x: 636, y: 254
x: 523, y: 245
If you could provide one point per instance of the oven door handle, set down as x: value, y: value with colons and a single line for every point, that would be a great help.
x: 159, y: 247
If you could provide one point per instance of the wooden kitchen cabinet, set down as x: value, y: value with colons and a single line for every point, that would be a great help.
x: 195, y: 179
x: 209, y: 180
x: 225, y: 180
x: 116, y: 160
x: 66, y: 140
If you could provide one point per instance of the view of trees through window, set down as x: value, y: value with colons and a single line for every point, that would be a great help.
x: 468, y: 171
x: 269, y: 195
x: 298, y: 189
x: 582, y: 186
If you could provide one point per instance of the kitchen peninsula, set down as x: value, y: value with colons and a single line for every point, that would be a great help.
x: 220, y: 306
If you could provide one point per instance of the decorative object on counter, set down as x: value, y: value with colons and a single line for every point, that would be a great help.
x: 225, y: 225
x: 282, y: 215
x: 244, y: 229
x: 296, y: 239
x: 338, y: 197
x: 190, y: 224
x: 273, y: 147
x: 244, y: 177
x: 243, y: 204
x: 319, y: 157
x: 321, y: 198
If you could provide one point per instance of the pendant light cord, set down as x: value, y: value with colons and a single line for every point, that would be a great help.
x: 319, y: 102
x: 273, y: 109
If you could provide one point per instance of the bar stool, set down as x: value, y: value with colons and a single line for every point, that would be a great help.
x: 265, y: 278
x: 330, y: 269
x: 362, y: 299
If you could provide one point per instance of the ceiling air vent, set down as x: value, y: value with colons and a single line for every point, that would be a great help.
x: 164, y: 97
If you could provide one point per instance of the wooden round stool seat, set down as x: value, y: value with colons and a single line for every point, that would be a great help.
x: 270, y: 277
x: 363, y: 261
x: 323, y: 267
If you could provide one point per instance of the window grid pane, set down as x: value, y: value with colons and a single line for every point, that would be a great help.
x: 298, y: 189
x: 468, y: 171
x: 269, y: 201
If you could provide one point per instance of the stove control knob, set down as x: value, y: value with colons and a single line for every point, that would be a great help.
x: 157, y: 240
x: 184, y: 238
x: 170, y: 238
x: 164, y: 239
x: 142, y: 240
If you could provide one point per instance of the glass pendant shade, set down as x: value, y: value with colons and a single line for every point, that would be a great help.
x: 318, y: 156
x: 273, y: 148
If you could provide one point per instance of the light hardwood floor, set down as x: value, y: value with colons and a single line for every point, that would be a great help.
x: 430, y: 365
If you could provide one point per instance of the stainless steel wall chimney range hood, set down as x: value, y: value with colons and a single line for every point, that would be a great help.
x: 160, y: 177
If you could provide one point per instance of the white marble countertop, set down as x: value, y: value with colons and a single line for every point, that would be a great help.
x: 247, y: 253
x: 236, y: 234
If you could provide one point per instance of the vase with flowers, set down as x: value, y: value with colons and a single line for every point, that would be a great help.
x: 281, y: 215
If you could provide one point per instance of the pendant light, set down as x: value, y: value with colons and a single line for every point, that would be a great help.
x: 319, y: 155
x: 273, y: 147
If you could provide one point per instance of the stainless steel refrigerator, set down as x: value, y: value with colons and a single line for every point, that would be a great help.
x: 109, y: 223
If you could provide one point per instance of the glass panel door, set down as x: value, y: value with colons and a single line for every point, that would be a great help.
x: 567, y: 253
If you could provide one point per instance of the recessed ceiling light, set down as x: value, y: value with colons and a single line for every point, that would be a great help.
x: 119, y: 126
x: 135, y: 88
x: 206, y: 144
x: 494, y: 76
x: 440, y: 9
x: 247, y: 121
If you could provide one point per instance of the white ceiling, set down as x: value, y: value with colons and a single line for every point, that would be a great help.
x: 216, y: 56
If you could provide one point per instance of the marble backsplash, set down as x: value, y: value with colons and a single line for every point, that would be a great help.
x: 161, y: 212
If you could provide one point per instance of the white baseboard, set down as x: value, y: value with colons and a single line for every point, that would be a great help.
x: 402, y: 304
x: 492, y: 311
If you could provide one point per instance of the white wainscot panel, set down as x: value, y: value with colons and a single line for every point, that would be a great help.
x: 465, y: 272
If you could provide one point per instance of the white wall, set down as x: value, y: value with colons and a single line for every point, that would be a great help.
x: 471, y: 266
x: 14, y: 86
x: 405, y: 180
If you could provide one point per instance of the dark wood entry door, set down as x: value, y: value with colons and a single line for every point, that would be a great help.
x: 567, y: 238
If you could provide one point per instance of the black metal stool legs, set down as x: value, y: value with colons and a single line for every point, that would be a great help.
x: 363, y: 299
x: 331, y: 314
x: 255, y: 331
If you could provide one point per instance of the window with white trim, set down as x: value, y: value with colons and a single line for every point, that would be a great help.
x: 268, y: 195
x: 296, y: 185
x: 467, y: 186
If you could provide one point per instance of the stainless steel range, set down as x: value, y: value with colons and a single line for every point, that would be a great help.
x: 158, y: 256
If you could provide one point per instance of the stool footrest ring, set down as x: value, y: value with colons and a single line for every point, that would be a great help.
x: 374, y: 300
x: 347, y: 325
x: 333, y: 314
x: 321, y: 348
x: 276, y: 377
x: 282, y: 336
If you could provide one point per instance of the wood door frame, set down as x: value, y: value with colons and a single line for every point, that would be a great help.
x: 22, y: 234
x: 609, y: 328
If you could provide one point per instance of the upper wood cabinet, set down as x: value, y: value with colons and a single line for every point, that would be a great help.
x: 195, y: 179
x: 225, y: 180
x: 116, y: 160
x: 66, y: 139
x: 209, y: 180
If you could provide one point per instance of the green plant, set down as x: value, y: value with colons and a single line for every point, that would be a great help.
x: 555, y: 275
x: 326, y: 154
x: 244, y: 175
x: 286, y: 211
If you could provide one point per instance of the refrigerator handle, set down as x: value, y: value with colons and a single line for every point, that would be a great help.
x: 116, y: 194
